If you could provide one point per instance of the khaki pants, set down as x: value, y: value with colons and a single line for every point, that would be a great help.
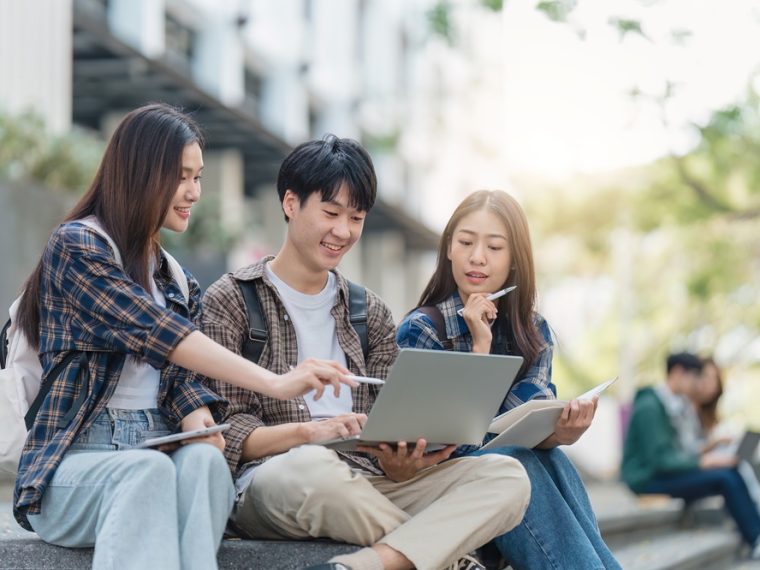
x: 442, y: 513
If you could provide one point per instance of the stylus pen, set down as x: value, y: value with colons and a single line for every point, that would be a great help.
x: 494, y: 296
x: 361, y: 379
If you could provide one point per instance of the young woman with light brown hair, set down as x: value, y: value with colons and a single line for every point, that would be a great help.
x: 486, y: 247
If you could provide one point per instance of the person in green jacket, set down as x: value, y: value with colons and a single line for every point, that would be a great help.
x: 661, y: 453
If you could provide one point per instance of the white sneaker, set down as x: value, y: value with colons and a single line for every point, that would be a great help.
x: 755, y: 554
x: 467, y: 562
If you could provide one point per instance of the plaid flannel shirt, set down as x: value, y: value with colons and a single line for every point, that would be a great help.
x: 89, y: 304
x: 418, y: 331
x: 225, y: 320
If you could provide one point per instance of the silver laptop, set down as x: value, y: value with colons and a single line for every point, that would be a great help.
x: 747, y: 447
x: 445, y: 397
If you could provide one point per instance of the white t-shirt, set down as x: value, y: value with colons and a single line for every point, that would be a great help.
x: 138, y: 384
x: 317, y: 338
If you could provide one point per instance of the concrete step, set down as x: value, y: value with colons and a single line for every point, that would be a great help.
x: 746, y: 565
x: 643, y: 533
x: 625, y: 518
x: 693, y: 549
x: 30, y: 553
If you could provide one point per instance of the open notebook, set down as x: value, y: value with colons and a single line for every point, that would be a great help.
x: 531, y: 423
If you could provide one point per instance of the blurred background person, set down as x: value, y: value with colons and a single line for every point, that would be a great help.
x: 660, y: 453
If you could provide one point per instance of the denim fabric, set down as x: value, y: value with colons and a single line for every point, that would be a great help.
x: 559, y: 530
x: 140, y: 508
x: 116, y: 429
x: 697, y: 484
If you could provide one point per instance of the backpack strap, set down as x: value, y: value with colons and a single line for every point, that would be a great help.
x: 178, y: 274
x: 357, y: 314
x: 93, y: 223
x: 435, y: 315
x: 45, y: 387
x: 258, y: 332
x: 4, y: 344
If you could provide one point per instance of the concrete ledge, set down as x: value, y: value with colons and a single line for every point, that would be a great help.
x: 31, y: 553
x: 696, y: 549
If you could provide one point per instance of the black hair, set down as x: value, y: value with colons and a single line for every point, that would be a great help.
x: 686, y: 360
x: 323, y: 166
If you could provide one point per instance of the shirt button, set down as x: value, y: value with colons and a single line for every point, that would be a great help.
x: 286, y: 317
x: 301, y: 406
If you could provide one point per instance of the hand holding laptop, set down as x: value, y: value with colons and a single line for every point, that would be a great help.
x: 401, y: 464
x: 424, y: 397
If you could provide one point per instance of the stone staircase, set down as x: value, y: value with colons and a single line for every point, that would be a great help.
x: 659, y: 533
x: 652, y: 533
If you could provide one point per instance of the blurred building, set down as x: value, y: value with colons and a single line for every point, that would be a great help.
x: 260, y: 76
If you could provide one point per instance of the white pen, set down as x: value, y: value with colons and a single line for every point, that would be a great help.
x: 365, y: 379
x: 361, y: 379
x: 493, y: 296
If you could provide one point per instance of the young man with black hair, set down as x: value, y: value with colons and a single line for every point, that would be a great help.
x: 660, y: 454
x: 407, y: 507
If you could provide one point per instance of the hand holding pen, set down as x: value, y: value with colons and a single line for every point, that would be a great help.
x: 359, y: 379
x: 479, y: 314
x: 494, y: 296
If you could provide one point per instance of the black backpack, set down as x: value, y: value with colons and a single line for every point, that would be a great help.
x: 258, y: 333
x: 435, y: 315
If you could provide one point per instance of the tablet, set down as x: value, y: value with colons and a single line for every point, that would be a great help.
x: 154, y: 441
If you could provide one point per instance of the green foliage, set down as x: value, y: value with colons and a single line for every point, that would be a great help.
x: 28, y: 152
x: 206, y: 230
x: 627, y: 26
x: 557, y: 10
x: 495, y: 5
x: 693, y: 261
x: 68, y: 163
x: 382, y: 142
x: 439, y: 17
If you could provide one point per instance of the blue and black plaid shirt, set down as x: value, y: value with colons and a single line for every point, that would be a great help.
x: 88, y: 304
x: 418, y: 331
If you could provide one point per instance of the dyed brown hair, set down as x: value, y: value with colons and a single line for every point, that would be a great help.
x: 518, y: 307
x: 130, y: 195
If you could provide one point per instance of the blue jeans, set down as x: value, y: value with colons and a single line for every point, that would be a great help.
x: 701, y: 483
x: 559, y: 530
x: 140, y: 508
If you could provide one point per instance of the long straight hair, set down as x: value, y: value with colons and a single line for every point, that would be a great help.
x: 518, y: 307
x: 708, y: 411
x: 130, y: 195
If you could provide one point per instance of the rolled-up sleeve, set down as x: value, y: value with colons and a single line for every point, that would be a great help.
x: 189, y: 395
x: 113, y: 312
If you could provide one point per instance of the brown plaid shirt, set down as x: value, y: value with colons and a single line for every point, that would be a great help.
x: 225, y: 320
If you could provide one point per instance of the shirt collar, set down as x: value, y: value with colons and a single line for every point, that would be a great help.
x: 257, y: 271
